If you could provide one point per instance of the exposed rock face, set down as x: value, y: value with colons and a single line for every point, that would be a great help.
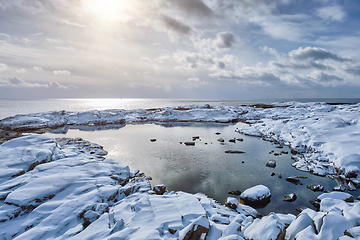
x: 195, y: 230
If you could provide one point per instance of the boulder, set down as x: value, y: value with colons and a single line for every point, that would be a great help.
x: 221, y: 140
x: 256, y: 195
x: 339, y: 188
x: 153, y: 140
x: 189, y: 143
x: 234, y: 151
x: 315, y: 188
x: 159, y: 189
x: 347, y: 197
x: 195, y: 230
x: 294, y: 179
x: 232, y: 140
x: 268, y: 227
x: 290, y: 197
x: 271, y: 163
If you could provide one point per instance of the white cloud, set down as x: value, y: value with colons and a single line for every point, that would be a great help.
x: 73, y: 24
x: 52, y: 40
x: 15, y: 82
x: 37, y: 68
x: 193, y: 79
x: 3, y: 67
x: 333, y: 13
x: 22, y: 70
x: 62, y: 72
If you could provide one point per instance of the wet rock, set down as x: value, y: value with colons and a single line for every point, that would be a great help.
x: 195, y: 138
x: 276, y: 154
x: 234, y: 151
x: 279, y: 146
x: 301, y: 208
x: 271, y: 152
x: 221, y: 140
x: 358, y: 197
x: 218, y: 133
x: 232, y: 140
x: 153, y: 140
x: 316, y: 204
x: 257, y: 195
x: 290, y: 197
x: 240, y: 139
x: 315, y: 188
x: 284, y: 152
x: 280, y: 176
x: 272, y: 174
x: 271, y: 163
x: 339, y: 188
x: 294, y: 179
x: 242, y: 162
x: 189, y: 143
x: 159, y: 189
x: 236, y: 192
x: 350, y: 175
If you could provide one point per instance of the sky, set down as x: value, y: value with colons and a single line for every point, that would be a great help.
x: 194, y: 49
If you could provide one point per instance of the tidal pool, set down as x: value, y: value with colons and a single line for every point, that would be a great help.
x: 205, y: 167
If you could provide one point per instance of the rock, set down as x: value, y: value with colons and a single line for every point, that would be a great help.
x: 290, y: 197
x: 272, y: 174
x: 159, y: 189
x: 358, y: 197
x: 231, y: 202
x: 217, y: 133
x: 221, y: 140
x: 353, y: 232
x: 271, y: 152
x: 89, y: 217
x: 153, y: 140
x: 234, y: 151
x: 351, y: 187
x: 280, y: 176
x: 236, y: 192
x: 195, y: 230
x: 268, y: 227
x: 196, y: 137
x: 284, y: 152
x: 347, y: 197
x: 351, y: 175
x: 218, y: 218
x: 301, y: 208
x: 189, y: 143
x: 279, y: 146
x: 232, y: 140
x: 240, y: 139
x: 315, y: 188
x: 339, y: 188
x: 259, y: 194
x: 271, y: 163
x: 302, y: 221
x: 294, y: 179
x: 316, y: 204
x: 276, y: 154
x: 242, y: 162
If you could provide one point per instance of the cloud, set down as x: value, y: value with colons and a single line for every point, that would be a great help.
x: 193, y: 79
x: 332, y: 13
x: 37, y: 68
x: 225, y: 40
x: 176, y: 25
x: 58, y: 41
x: 14, y: 82
x: 193, y: 7
x: 73, y: 24
x: 315, y: 54
x: 3, y: 67
x: 62, y: 72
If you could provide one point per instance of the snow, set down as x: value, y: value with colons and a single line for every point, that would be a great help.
x: 68, y: 189
x: 256, y: 193
x: 326, y: 137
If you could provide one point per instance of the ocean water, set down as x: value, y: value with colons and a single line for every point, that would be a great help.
x: 11, y: 107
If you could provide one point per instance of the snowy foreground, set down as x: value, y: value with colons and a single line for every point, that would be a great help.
x: 326, y: 137
x: 67, y: 189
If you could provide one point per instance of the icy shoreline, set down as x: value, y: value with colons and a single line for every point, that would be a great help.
x: 67, y: 189
x: 325, y: 137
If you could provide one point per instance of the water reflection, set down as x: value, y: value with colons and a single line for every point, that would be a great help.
x: 205, y: 167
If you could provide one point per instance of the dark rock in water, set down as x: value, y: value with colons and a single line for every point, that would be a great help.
x: 180, y: 142
x: 240, y: 139
x: 303, y: 177
x: 279, y: 146
x: 232, y: 140
x: 272, y: 174
x: 315, y: 188
x: 284, y: 152
x: 236, y: 192
x: 196, y: 137
x: 358, y: 197
x: 234, y: 151
x: 242, y: 162
x: 293, y: 151
x: 159, y: 189
x: 339, y: 188
x: 290, y: 197
x: 153, y: 139
x: 271, y: 163
x: 276, y: 154
x: 294, y: 179
x: 217, y: 133
x: 301, y: 208
x: 221, y: 140
x: 280, y: 176
x: 350, y: 175
x: 315, y: 204
x: 257, y: 196
x: 189, y: 143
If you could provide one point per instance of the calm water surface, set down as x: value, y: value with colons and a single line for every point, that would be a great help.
x: 205, y: 167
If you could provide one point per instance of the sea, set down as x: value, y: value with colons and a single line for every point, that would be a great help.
x: 205, y: 167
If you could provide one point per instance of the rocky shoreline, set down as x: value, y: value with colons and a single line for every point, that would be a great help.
x: 67, y: 189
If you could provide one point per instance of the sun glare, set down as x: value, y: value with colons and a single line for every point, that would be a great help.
x: 109, y: 10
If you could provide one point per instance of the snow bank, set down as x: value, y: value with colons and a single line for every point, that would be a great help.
x: 74, y: 192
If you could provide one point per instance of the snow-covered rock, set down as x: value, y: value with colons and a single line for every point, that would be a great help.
x: 256, y: 193
x: 270, y: 227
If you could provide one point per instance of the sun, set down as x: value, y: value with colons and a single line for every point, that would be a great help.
x: 108, y: 10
